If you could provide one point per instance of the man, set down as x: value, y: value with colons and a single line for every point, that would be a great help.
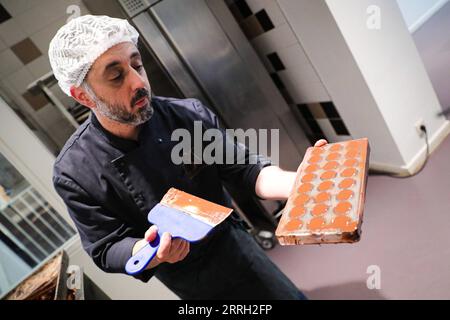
x: 117, y: 166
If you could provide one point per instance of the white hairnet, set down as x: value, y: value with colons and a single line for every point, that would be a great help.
x: 77, y: 45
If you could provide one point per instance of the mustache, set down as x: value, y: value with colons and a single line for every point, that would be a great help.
x: 141, y: 93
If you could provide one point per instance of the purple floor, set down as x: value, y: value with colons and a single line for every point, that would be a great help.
x: 406, y: 232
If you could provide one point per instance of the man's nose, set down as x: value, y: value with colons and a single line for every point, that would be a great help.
x: 137, y: 80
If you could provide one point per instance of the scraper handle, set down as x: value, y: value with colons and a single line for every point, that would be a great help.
x: 142, y: 258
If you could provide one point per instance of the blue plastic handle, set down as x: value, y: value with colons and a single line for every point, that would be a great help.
x: 174, y: 221
x: 142, y: 258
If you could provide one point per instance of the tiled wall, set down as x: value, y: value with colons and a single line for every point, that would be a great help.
x: 270, y: 34
x: 26, y: 28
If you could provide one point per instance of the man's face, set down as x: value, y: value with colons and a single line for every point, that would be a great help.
x: 120, y: 85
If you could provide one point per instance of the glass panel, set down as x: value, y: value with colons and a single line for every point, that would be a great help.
x: 30, y: 229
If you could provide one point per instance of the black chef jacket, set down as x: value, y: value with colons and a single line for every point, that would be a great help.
x: 109, y: 184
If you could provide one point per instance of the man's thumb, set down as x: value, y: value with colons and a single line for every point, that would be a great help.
x: 151, y: 233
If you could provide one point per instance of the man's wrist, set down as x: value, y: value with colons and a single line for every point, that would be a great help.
x: 273, y: 183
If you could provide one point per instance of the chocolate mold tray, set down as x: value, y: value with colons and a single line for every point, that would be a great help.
x: 327, y: 201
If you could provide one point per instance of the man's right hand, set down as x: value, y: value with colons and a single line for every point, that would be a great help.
x: 170, y: 250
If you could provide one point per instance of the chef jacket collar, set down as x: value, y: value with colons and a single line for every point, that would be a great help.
x: 122, y: 144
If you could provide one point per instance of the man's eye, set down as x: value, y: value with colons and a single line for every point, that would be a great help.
x: 139, y: 67
x: 117, y: 78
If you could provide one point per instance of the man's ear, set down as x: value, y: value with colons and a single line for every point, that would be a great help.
x: 80, y: 95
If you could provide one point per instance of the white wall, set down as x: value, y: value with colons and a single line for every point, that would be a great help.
x: 375, y: 77
x: 393, y: 70
x: 417, y: 12
x: 325, y: 46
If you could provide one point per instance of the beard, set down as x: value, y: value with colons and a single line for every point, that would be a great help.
x: 119, y: 113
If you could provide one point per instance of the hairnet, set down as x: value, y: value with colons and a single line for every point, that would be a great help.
x: 77, y: 44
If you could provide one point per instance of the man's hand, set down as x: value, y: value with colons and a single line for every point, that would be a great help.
x: 320, y: 143
x: 273, y: 183
x: 169, y: 250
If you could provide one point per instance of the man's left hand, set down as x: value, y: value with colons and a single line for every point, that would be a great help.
x: 320, y: 143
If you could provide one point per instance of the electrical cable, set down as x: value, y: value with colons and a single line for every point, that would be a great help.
x: 398, y: 176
